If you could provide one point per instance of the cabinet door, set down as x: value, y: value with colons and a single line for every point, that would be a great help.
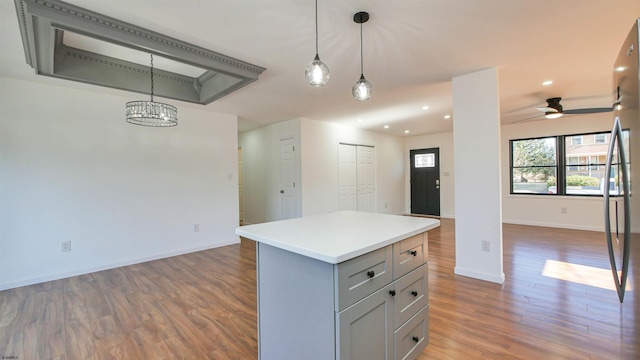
x: 365, y: 329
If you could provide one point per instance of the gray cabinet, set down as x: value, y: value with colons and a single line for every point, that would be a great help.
x: 365, y: 329
x: 379, y: 326
x: 374, y: 306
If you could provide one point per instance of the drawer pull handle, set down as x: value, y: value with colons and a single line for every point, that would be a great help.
x: 413, y: 252
x: 416, y: 339
x: 392, y: 292
x: 371, y: 273
x: 414, y: 293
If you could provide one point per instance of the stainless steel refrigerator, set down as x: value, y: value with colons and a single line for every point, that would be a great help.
x: 622, y: 197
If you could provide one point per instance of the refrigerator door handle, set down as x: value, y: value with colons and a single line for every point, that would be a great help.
x: 620, y: 280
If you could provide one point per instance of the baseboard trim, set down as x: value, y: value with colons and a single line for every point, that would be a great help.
x: 553, y: 225
x: 83, y: 271
x: 498, y: 279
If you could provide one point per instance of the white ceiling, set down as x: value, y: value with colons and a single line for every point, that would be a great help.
x: 412, y: 49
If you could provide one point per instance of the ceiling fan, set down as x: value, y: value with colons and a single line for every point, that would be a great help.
x: 554, y: 110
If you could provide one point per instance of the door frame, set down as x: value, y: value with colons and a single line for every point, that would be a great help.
x: 438, y: 183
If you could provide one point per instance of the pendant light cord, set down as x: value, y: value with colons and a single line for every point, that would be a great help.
x: 361, y: 58
x: 316, y: 27
x: 151, y: 77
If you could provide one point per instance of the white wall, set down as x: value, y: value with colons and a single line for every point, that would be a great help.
x: 443, y: 141
x: 72, y: 169
x: 320, y: 166
x: 584, y: 213
x: 476, y: 138
x: 261, y: 170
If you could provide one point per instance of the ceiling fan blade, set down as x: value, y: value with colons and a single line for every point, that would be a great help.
x: 529, y: 118
x: 588, y: 111
x: 546, y: 109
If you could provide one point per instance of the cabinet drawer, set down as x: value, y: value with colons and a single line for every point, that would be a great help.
x: 361, y: 276
x: 412, y: 338
x: 411, y: 295
x: 408, y: 254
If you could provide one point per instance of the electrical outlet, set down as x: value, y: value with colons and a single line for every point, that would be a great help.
x: 65, y: 246
x: 486, y: 245
x: 563, y: 210
x: 196, y: 228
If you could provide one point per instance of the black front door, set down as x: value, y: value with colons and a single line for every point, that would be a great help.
x: 425, y: 181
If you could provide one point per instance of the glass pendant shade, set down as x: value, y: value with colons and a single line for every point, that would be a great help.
x: 317, y: 72
x: 362, y: 89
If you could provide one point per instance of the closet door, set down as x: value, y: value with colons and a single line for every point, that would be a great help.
x: 366, y: 178
x: 356, y: 168
x: 347, y: 173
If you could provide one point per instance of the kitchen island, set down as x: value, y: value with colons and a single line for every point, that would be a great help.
x: 342, y: 285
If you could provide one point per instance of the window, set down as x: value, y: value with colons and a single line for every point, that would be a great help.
x: 576, y: 140
x: 534, y: 166
x: 564, y: 165
x: 425, y: 160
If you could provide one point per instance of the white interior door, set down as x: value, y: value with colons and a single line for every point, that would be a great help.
x: 288, y: 193
x: 356, y: 165
x: 366, y: 178
x: 347, y: 173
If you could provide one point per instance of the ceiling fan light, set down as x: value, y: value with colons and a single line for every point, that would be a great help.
x: 362, y: 89
x: 317, y: 72
x: 552, y: 115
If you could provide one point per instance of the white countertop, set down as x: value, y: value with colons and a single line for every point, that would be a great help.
x: 338, y: 236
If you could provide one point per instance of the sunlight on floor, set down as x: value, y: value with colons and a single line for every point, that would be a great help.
x: 581, y: 274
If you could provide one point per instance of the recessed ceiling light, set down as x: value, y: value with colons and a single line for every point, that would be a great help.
x: 406, y: 131
x: 547, y: 83
x: 360, y: 120
x: 425, y: 107
x: 621, y: 68
x: 386, y: 126
x: 447, y: 116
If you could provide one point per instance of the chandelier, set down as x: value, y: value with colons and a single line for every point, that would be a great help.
x: 151, y: 113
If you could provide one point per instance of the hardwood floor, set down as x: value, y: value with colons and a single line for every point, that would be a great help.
x: 203, y: 306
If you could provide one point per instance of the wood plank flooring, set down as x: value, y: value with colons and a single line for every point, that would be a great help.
x: 203, y: 306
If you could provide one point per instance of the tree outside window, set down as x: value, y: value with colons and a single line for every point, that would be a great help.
x: 534, y: 165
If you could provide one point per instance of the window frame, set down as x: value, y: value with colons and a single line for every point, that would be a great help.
x: 511, y: 166
x: 562, y: 164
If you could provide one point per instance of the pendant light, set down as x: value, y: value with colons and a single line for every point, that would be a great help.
x: 150, y: 113
x: 362, y: 88
x: 317, y: 72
